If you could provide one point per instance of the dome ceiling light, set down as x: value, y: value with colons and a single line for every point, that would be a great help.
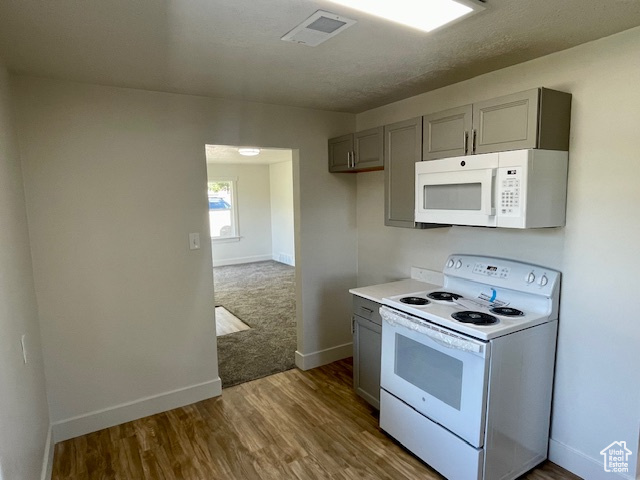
x: 249, y: 152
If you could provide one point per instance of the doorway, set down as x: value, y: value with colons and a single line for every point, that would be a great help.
x: 251, y: 216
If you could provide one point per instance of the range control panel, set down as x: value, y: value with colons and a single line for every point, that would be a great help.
x: 491, y: 270
x: 501, y: 272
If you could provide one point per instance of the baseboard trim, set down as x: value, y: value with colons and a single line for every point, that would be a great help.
x: 582, y: 465
x: 323, y: 357
x: 126, y: 412
x: 47, y: 460
x: 241, y: 260
x: 284, y: 258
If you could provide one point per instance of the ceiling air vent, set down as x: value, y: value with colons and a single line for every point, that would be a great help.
x: 319, y: 27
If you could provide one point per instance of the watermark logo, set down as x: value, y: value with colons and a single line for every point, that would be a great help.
x: 616, y: 457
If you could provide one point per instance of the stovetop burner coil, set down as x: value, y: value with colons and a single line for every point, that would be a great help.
x: 444, y: 296
x: 507, y: 311
x: 476, y: 318
x: 414, y: 300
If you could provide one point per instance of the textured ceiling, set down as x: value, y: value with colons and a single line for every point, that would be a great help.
x: 232, y: 48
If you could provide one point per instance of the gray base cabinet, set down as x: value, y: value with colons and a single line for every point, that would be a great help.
x: 357, y: 152
x: 536, y: 118
x: 367, y: 329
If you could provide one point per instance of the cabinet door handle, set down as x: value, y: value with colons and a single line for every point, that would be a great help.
x: 466, y: 142
x: 474, y: 140
x: 353, y: 325
x: 367, y: 309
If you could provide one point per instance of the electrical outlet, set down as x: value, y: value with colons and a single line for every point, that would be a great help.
x: 24, y: 348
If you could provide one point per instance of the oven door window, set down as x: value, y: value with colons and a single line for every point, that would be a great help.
x: 431, y: 371
x: 457, y: 196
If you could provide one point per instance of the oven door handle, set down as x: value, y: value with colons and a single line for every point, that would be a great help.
x: 439, y: 335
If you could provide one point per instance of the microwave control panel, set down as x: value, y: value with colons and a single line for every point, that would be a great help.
x: 509, y: 188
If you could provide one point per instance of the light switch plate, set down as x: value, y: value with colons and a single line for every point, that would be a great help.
x: 194, y: 241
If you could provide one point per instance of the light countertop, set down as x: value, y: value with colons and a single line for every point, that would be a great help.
x: 378, y: 292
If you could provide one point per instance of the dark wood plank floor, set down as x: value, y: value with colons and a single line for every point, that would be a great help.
x: 292, y: 425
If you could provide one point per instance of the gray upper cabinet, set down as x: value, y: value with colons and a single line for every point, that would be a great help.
x: 536, y: 118
x: 357, y: 152
x: 402, y: 149
x: 340, y: 151
x: 506, y: 123
x: 369, y: 149
x: 446, y: 134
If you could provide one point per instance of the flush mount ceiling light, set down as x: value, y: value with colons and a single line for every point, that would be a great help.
x: 249, y: 152
x: 425, y: 15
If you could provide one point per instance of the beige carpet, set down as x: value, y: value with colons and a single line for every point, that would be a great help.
x: 262, y: 295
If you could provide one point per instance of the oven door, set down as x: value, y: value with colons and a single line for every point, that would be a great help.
x: 440, y: 373
x: 457, y: 191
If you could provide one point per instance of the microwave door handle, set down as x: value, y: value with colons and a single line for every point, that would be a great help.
x: 488, y: 189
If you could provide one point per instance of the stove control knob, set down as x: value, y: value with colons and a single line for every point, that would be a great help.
x: 531, y: 277
x: 450, y: 263
x: 458, y: 263
x: 543, y: 280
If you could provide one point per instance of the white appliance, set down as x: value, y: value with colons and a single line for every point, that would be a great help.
x: 467, y: 368
x: 516, y: 189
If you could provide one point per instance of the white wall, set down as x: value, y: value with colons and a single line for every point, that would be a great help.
x: 597, y: 393
x: 254, y: 214
x: 24, y: 418
x: 115, y: 180
x: 282, y: 227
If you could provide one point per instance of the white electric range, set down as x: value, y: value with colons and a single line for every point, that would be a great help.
x: 467, y: 369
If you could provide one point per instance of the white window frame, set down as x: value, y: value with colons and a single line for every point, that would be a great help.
x: 235, y: 236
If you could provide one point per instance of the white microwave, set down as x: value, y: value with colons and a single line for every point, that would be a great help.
x: 515, y: 189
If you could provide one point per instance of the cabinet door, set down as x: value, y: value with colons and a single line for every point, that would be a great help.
x: 340, y: 151
x: 369, y: 151
x: 447, y: 133
x: 506, y: 123
x: 402, y: 149
x: 366, y: 359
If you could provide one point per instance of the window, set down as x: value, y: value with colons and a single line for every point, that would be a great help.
x: 223, y: 214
